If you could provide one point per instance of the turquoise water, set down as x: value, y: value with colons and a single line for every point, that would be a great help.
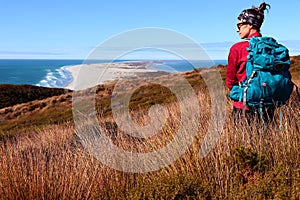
x: 48, y: 73
x: 53, y: 73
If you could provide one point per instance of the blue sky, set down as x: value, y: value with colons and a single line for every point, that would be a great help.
x: 72, y: 29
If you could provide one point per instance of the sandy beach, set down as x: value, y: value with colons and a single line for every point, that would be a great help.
x: 89, y: 75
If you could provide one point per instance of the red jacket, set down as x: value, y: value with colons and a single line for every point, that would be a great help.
x: 236, y: 68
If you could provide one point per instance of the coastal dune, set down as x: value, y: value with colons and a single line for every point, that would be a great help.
x: 90, y: 75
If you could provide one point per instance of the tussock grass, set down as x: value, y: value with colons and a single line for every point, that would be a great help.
x: 49, y: 161
x: 246, y: 163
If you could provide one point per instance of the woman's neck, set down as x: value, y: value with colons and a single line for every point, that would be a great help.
x: 252, y: 31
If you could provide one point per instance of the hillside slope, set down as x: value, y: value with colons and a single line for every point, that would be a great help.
x: 16, y: 94
x: 25, y: 108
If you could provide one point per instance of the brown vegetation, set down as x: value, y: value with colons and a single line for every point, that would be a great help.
x: 16, y: 94
x: 48, y: 161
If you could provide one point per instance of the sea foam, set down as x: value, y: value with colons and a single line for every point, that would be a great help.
x: 58, y: 78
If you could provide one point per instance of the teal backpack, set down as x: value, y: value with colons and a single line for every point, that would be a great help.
x: 268, y: 80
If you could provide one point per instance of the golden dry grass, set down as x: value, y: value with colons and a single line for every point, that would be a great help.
x: 49, y: 162
x: 254, y: 163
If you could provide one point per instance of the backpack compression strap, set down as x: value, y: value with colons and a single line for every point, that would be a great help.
x: 246, y: 88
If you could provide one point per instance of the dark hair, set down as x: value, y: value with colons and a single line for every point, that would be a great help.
x: 262, y: 7
x: 254, y: 15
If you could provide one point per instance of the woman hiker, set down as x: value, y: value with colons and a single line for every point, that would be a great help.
x: 248, y: 25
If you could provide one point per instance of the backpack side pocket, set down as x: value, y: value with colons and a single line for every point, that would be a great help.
x: 236, y: 93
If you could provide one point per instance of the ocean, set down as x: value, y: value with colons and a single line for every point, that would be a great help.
x: 53, y: 73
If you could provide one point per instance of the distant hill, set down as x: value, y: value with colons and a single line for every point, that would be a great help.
x: 27, y: 107
x: 16, y: 94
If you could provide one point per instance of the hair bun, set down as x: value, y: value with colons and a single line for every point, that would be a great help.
x: 263, y: 6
